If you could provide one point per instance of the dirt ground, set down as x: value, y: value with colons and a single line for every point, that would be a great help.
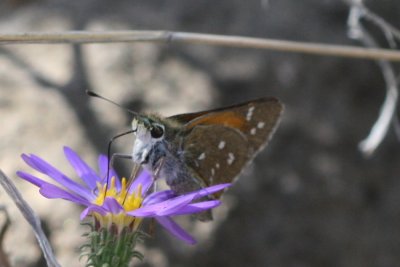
x: 309, y: 199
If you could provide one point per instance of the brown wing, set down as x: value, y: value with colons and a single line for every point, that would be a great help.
x: 227, y: 137
x: 256, y: 119
x: 216, y: 153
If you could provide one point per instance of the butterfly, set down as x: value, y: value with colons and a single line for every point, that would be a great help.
x: 195, y: 150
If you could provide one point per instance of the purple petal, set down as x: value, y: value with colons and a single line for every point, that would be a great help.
x: 164, y: 208
x: 104, y: 167
x: 145, y: 179
x: 112, y: 205
x: 92, y: 208
x: 158, y: 197
x: 197, y: 207
x: 176, y: 230
x: 207, y: 191
x: 172, y: 206
x: 28, y: 160
x: 45, y: 168
x: 52, y: 191
x: 102, y: 162
x: 85, y: 213
x: 30, y: 178
x: 87, y: 174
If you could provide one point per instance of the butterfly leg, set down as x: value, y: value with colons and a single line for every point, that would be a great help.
x: 158, y: 168
x: 156, y: 174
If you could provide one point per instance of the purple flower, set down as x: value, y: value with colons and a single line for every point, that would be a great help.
x: 121, y: 204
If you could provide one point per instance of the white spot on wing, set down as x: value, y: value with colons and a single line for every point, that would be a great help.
x: 221, y: 145
x: 253, y: 131
x: 202, y: 156
x: 260, y: 125
x: 217, y: 165
x: 230, y: 159
x: 249, y: 113
x: 212, y: 171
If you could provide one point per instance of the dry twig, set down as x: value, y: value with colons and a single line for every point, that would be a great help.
x: 31, y: 217
x: 4, y: 262
x: 84, y: 37
x: 388, y: 109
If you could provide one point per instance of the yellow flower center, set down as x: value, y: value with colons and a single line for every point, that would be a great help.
x: 128, y: 201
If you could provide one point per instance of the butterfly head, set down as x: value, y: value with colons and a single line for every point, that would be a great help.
x: 149, y: 135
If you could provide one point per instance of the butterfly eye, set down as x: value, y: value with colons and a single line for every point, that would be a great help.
x: 156, y: 131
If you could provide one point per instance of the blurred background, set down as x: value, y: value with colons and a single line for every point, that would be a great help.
x: 309, y: 199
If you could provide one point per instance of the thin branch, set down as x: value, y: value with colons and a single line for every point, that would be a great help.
x: 388, y: 109
x: 4, y: 261
x: 31, y: 217
x: 374, y: 18
x: 84, y: 37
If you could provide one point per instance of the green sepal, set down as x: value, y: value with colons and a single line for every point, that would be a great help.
x: 108, y: 248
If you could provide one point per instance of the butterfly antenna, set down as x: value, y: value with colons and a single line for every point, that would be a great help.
x: 93, y: 94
